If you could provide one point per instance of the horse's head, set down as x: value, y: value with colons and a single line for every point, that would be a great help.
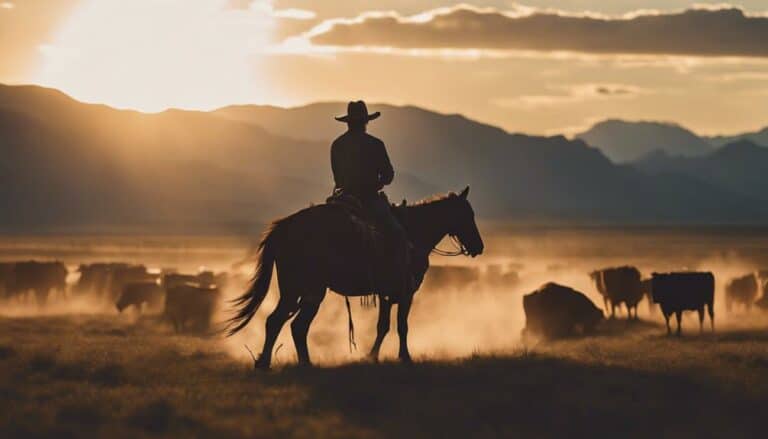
x: 462, y: 224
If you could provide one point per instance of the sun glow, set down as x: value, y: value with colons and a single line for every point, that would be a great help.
x: 154, y: 54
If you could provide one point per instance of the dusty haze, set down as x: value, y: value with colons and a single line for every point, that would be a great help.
x: 446, y: 323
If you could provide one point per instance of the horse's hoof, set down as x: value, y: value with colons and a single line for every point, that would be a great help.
x: 406, y: 359
x: 260, y: 365
x: 373, y: 358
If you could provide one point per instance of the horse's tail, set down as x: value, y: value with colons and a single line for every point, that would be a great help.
x: 249, y: 302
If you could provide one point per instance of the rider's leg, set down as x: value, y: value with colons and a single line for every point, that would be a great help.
x: 399, y: 246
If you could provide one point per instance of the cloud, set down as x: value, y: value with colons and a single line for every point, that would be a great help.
x: 570, y: 95
x: 720, y: 31
x: 267, y: 7
x: 7, y: 5
x: 738, y: 77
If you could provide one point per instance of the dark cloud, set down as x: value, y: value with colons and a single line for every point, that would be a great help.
x: 699, y: 32
x: 612, y: 91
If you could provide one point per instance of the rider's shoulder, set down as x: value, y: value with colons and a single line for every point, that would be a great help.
x: 373, y: 139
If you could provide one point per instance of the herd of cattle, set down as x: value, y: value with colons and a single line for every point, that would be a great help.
x: 187, y: 301
x: 555, y: 310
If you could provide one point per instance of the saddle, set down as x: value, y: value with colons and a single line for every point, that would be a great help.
x: 376, y: 239
x: 348, y: 202
x: 363, y: 225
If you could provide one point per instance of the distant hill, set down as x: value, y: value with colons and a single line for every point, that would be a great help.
x: 757, y: 137
x: 526, y: 178
x: 74, y: 167
x: 738, y: 167
x: 625, y: 142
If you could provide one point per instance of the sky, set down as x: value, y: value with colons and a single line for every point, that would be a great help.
x: 534, y: 66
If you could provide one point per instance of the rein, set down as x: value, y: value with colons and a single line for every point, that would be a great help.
x: 458, y: 250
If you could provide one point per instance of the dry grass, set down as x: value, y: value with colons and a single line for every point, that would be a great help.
x: 92, y: 376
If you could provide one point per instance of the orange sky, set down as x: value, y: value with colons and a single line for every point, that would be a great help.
x: 154, y: 54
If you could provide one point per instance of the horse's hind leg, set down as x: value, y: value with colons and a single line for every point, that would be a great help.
x: 403, y: 308
x: 300, y: 326
x: 286, y: 307
x: 382, y: 327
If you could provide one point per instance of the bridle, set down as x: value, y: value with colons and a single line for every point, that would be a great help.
x: 459, y: 248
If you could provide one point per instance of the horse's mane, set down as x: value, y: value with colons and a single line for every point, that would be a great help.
x: 433, y: 199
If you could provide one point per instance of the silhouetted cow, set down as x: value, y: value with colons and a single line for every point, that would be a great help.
x: 450, y: 277
x: 557, y: 311
x: 198, y: 280
x: 206, y: 278
x: 619, y: 285
x: 38, y: 277
x: 109, y: 279
x: 687, y: 291
x: 762, y: 303
x: 190, y: 307
x: 128, y: 274
x: 741, y: 291
x: 94, y: 279
x: 6, y: 277
x: 762, y: 277
x: 138, y: 294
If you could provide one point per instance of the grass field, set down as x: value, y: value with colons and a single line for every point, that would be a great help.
x: 85, y: 376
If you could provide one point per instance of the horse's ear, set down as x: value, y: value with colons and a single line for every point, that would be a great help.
x: 464, y: 193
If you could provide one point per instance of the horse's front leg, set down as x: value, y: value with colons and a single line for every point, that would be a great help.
x: 403, y: 309
x: 382, y: 327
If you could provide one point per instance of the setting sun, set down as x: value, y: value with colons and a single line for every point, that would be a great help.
x: 151, y: 55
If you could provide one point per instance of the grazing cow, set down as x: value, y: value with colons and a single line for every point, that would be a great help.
x: 174, y: 280
x: 123, y: 275
x: 109, y: 279
x: 687, y: 291
x: 94, y: 278
x: 557, y: 311
x: 741, y: 291
x: 190, y: 307
x: 38, y: 277
x: 6, y: 277
x: 139, y: 294
x: 619, y: 285
x: 207, y: 278
x: 762, y: 303
x: 450, y: 277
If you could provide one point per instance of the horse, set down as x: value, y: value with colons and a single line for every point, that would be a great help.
x: 313, y: 252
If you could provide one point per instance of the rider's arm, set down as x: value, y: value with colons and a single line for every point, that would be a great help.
x: 386, y: 172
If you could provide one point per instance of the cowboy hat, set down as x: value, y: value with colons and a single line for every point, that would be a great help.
x: 357, y: 112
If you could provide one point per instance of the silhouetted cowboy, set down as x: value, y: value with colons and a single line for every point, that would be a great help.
x: 361, y: 168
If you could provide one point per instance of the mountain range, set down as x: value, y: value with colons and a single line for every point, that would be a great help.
x: 82, y: 168
x: 625, y: 142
